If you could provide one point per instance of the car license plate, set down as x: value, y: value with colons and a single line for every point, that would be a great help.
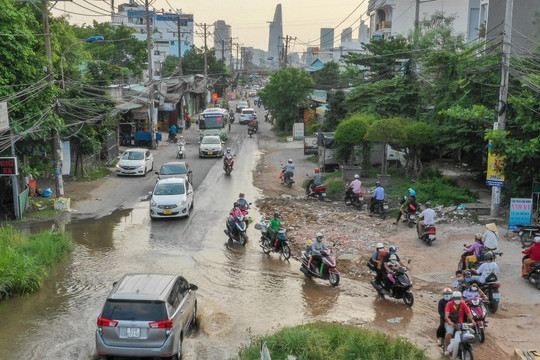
x: 431, y: 237
x: 133, y: 332
x: 210, y: 153
x: 497, y: 297
x: 167, y: 212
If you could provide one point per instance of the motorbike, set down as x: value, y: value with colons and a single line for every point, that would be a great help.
x: 479, y: 313
x: 231, y: 117
x: 228, y: 165
x: 187, y: 124
x: 491, y: 289
x: 356, y: 200
x: 251, y: 131
x: 429, y: 235
x: 318, y: 191
x: 236, y: 231
x: 461, y: 263
x: 411, y: 215
x: 533, y: 276
x: 286, y: 179
x: 400, y: 289
x: 267, y: 244
x: 381, y: 209
x: 181, y: 154
x: 327, y: 268
x: 527, y: 234
x: 172, y: 138
x: 460, y: 346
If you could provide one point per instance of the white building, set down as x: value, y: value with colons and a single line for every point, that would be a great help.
x: 393, y: 17
x: 165, y: 28
x: 222, y: 41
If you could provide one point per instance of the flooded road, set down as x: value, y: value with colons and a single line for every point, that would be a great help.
x: 242, y: 292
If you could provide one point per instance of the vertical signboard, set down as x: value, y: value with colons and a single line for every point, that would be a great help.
x: 494, y: 175
x: 520, y: 213
x: 4, y: 117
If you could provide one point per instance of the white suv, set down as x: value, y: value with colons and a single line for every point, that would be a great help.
x: 246, y: 114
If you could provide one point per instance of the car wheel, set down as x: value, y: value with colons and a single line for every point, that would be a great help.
x: 178, y: 355
x: 145, y: 171
x: 152, y: 168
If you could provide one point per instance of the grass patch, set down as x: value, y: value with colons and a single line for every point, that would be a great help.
x: 313, y: 159
x: 24, y: 260
x: 96, y: 173
x: 335, y: 187
x: 332, y: 341
x: 40, y: 208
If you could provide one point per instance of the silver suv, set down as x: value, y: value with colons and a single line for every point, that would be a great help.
x: 146, y: 315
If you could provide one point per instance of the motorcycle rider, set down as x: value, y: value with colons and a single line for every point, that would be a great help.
x: 317, y: 180
x: 534, y: 256
x: 490, y: 237
x: 235, y: 211
x: 474, y: 292
x: 454, y: 313
x: 459, y: 280
x: 354, y: 188
x: 231, y: 116
x: 486, y: 269
x: 228, y: 155
x: 447, y: 296
x: 378, y: 197
x: 288, y: 170
x: 244, y: 204
x: 316, y: 248
x: 411, y: 199
x: 390, y: 266
x: 377, y: 261
x: 172, y: 132
x: 476, y: 249
x: 273, y: 228
x: 392, y: 250
x: 428, y: 218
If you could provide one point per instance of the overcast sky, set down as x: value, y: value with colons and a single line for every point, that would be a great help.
x: 248, y: 18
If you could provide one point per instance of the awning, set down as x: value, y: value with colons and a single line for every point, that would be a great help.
x: 167, y: 107
x: 319, y: 96
x: 128, y: 106
x: 321, y: 109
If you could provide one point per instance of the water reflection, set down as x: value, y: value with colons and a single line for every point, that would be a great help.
x: 319, y: 297
x: 392, y: 312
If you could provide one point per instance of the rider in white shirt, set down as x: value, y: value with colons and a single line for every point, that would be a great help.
x: 428, y: 218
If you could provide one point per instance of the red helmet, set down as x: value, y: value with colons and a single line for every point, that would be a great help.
x: 317, y: 170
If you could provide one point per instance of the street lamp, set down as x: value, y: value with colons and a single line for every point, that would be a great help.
x: 91, y: 39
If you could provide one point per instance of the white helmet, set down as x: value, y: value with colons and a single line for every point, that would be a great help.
x: 356, y: 176
x: 319, y: 236
x: 380, y: 246
x: 456, y: 295
x: 537, y: 239
x: 289, y: 161
x: 228, y: 150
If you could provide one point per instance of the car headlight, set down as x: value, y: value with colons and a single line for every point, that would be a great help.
x: 180, y: 203
x: 118, y: 166
x: 152, y: 203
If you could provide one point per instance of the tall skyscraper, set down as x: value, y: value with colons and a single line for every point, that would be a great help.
x: 327, y: 38
x: 222, y: 40
x: 275, y: 38
x: 346, y: 35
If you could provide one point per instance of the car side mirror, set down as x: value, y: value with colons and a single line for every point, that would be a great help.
x: 150, y: 193
x: 189, y: 172
x: 157, y: 173
x: 193, y: 287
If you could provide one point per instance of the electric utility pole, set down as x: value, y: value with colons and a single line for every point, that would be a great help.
x: 503, y: 94
x: 150, y: 74
x: 57, y: 145
x: 205, y: 27
x: 417, y: 13
x: 284, y: 58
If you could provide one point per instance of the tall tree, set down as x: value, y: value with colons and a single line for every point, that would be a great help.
x: 337, y: 112
x: 328, y: 77
x: 350, y: 134
x: 388, y: 131
x: 286, y: 94
x: 418, y: 134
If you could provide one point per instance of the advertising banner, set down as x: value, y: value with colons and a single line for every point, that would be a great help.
x: 520, y: 213
x: 494, y: 176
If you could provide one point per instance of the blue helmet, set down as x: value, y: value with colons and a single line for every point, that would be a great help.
x: 412, y: 192
x: 392, y: 249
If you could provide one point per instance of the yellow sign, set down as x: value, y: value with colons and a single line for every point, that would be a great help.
x: 494, y: 175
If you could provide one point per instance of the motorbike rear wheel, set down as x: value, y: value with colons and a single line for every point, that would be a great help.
x: 333, y: 278
x: 492, y: 305
x: 242, y: 238
x: 286, y: 250
x: 266, y: 246
x: 527, y: 238
x: 382, y: 212
x: 465, y: 353
x: 408, y: 298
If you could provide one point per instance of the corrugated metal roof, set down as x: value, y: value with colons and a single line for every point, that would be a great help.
x: 319, y: 96
x: 128, y: 106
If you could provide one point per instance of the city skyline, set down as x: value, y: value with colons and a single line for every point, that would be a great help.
x: 249, y: 21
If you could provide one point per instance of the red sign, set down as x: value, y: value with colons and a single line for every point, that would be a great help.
x: 215, y: 97
x: 8, y: 166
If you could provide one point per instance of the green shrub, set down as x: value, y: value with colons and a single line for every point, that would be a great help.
x: 335, y: 187
x: 313, y: 159
x: 332, y: 341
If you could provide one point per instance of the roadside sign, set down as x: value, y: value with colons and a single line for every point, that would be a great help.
x: 8, y: 166
x: 4, y: 116
x: 520, y: 213
x: 494, y: 175
x: 536, y: 187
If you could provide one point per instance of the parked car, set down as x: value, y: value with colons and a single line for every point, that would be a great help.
x: 252, y: 93
x: 246, y: 115
x: 211, y: 146
x: 135, y: 162
x: 171, y: 197
x: 146, y: 315
x: 240, y: 105
x: 175, y: 169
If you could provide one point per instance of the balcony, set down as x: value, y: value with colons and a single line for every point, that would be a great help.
x: 384, y: 25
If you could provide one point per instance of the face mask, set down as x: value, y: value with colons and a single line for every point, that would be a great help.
x: 474, y: 289
x: 459, y: 279
x: 457, y: 302
x: 468, y: 279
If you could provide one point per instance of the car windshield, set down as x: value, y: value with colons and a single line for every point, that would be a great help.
x: 242, y: 104
x: 247, y: 112
x: 171, y: 169
x: 133, y: 155
x: 135, y: 310
x: 211, y: 140
x: 169, y: 189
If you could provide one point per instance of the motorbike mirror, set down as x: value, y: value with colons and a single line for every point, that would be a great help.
x: 408, y: 261
x: 249, y: 203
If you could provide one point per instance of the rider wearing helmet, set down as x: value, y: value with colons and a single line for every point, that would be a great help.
x: 447, y: 296
x: 316, y: 248
x: 354, y: 188
x: 244, y: 204
x: 274, y: 226
x: 392, y: 250
x: 534, y: 256
x: 234, y: 213
x: 378, y: 196
x: 317, y: 180
x: 376, y: 261
x: 427, y: 218
x: 454, y: 313
x: 288, y: 170
x: 410, y: 199
x: 488, y: 269
x: 226, y: 156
